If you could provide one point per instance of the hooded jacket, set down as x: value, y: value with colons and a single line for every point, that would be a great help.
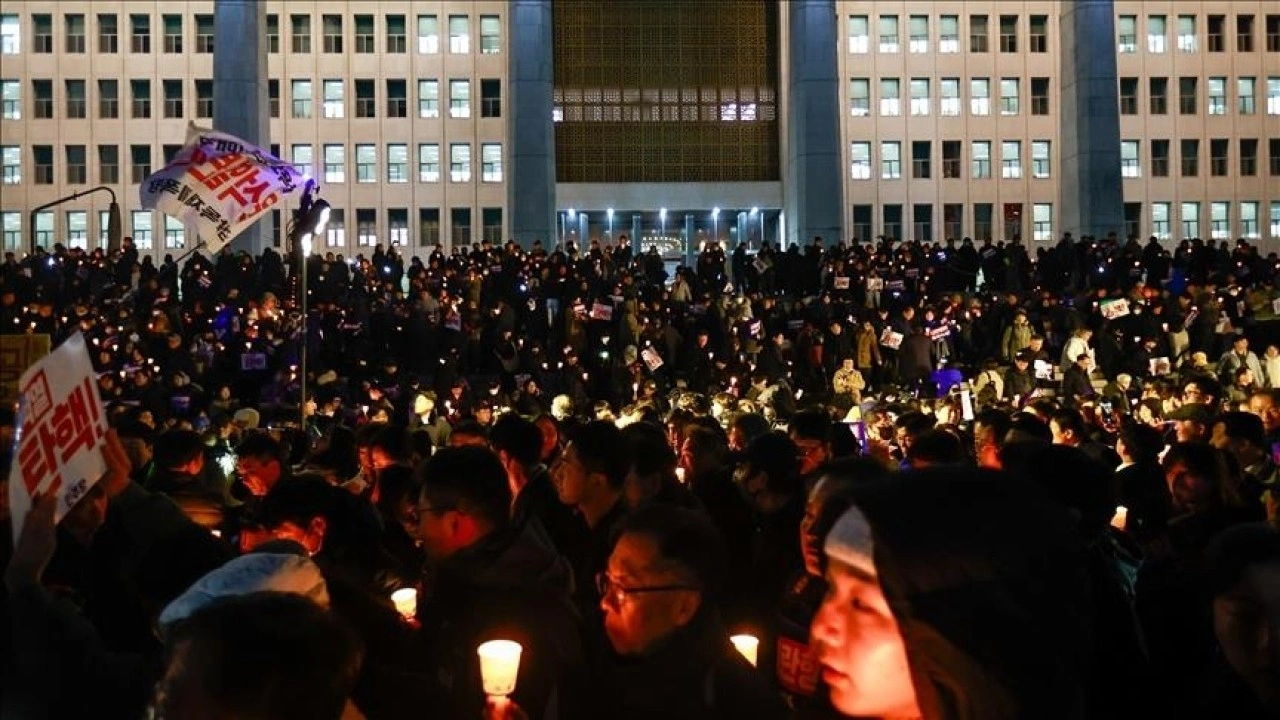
x: 510, y: 585
x: 986, y: 583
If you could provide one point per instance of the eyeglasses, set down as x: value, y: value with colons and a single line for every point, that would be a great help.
x: 616, y: 594
x: 417, y: 511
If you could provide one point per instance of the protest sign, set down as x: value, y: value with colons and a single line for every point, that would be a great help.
x: 841, y: 283
x: 1159, y: 366
x: 891, y: 339
x: 875, y: 284
x: 61, y: 427
x: 219, y: 184
x: 1112, y: 309
x: 601, y: 311
x: 652, y: 360
x: 1043, y: 370
x: 939, y: 333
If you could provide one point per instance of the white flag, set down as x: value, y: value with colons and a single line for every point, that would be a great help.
x: 219, y: 184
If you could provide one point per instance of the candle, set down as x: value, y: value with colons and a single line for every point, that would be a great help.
x: 1120, y: 520
x: 748, y: 645
x: 680, y: 474
x: 406, y: 602
x: 499, y: 665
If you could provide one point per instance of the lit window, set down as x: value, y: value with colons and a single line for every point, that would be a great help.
x: 860, y: 160
x: 950, y: 92
x: 491, y: 162
x: 1011, y: 160
x: 1130, y: 163
x: 980, y: 96
x: 334, y: 106
x: 919, y: 96
x: 428, y: 35
x: 890, y: 102
x: 459, y: 34
x: 1156, y: 32
x: 859, y: 34
x: 335, y: 163
x: 890, y: 160
x: 1042, y: 221
x: 460, y: 162
x: 889, y: 34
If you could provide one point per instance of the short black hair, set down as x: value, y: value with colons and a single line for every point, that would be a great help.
x: 1244, y: 426
x: 937, y: 446
x: 469, y: 478
x: 685, y: 538
x: 811, y: 424
x: 392, y: 440
x: 602, y: 449
x: 1236, y: 549
x: 176, y: 448
x: 261, y: 446
x: 648, y: 447
x: 999, y: 422
x: 1068, y: 419
x: 1142, y: 442
x: 517, y: 437
x: 271, y: 654
x: 469, y: 426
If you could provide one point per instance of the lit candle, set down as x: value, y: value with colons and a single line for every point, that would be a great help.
x: 1120, y: 520
x: 406, y: 602
x: 499, y: 665
x: 748, y: 645
x: 680, y: 474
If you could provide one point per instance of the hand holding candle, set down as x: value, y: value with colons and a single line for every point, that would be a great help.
x: 748, y: 645
x: 1120, y: 520
x: 499, y: 666
x: 406, y: 602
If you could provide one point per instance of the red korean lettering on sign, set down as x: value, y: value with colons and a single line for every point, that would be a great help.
x: 56, y: 432
x: 220, y: 170
x: 797, y: 667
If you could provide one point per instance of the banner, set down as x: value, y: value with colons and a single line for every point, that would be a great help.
x: 219, y: 184
x: 61, y: 427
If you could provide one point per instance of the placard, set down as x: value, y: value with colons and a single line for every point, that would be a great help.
x: 1112, y: 309
x: 652, y: 359
x: 250, y: 362
x: 875, y: 284
x: 62, y: 426
x: 601, y: 311
x: 1044, y: 371
x: 841, y: 283
x: 891, y: 339
x: 1159, y: 366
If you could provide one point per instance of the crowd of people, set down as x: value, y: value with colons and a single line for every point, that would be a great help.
x: 930, y: 480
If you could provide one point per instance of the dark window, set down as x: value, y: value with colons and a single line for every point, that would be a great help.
x: 1187, y: 96
x: 1159, y: 95
x: 1273, y: 33
x: 1248, y: 157
x: 301, y: 33
x: 77, y: 171
x: 1217, y: 30
x: 140, y: 34
x: 332, y: 26
x: 365, y: 101
x: 1008, y: 33
x: 43, y: 155
x: 108, y: 164
x: 1159, y: 158
x: 428, y: 226
x: 491, y: 219
x: 1039, y: 33
x: 42, y: 92
x: 953, y: 221
x: 365, y: 45
x: 951, y: 164
x: 273, y: 33
x: 172, y: 34
x: 490, y: 98
x: 982, y: 213
x: 862, y: 223
x: 77, y: 100
x: 108, y: 33
x: 1244, y: 33
x: 172, y: 98
x: 891, y: 221
x: 75, y: 33
x: 204, y: 34
x: 273, y: 97
x: 397, y: 99
x: 140, y: 155
x: 204, y: 99
x: 108, y: 99
x: 921, y: 153
x: 42, y: 34
x: 140, y: 92
x: 1190, y: 154
x: 978, y: 33
x: 460, y: 226
x: 1039, y: 96
x: 1128, y: 96
x: 922, y: 223
x: 1218, y: 157
x: 396, y: 39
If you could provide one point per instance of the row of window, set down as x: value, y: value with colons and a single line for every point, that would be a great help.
x: 1187, y: 36
x: 920, y: 101
x: 395, y: 230
x: 1189, y: 153
x: 1216, y: 88
x: 333, y: 163
x: 889, y: 40
x: 980, y: 160
x: 395, y: 33
x: 302, y: 94
x: 1160, y: 221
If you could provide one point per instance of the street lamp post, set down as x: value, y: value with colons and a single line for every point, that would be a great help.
x: 114, y: 229
x: 309, y: 221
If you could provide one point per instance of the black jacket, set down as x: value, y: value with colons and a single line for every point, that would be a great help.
x: 512, y: 586
x: 695, y: 675
x: 1076, y: 383
x: 539, y: 502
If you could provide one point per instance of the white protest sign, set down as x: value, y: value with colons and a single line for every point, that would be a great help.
x: 891, y: 339
x: 841, y: 283
x: 1112, y: 309
x: 1043, y: 370
x: 61, y: 427
x: 652, y: 360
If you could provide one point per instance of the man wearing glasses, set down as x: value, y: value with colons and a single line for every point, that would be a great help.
x: 671, y: 654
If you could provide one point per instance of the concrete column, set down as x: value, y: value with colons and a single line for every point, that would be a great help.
x: 240, y: 105
x: 637, y: 232
x: 812, y: 185
x: 1091, y: 191
x: 531, y: 182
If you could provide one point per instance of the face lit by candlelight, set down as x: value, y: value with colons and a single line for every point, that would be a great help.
x: 860, y: 648
x: 644, y: 598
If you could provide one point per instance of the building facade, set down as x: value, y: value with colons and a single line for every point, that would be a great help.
x: 950, y: 117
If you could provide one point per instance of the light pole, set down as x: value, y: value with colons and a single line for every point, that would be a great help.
x: 114, y: 230
x: 715, y: 223
x: 754, y: 212
x: 309, y: 221
x: 609, y: 213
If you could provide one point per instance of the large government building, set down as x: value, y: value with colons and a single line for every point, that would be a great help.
x: 670, y: 121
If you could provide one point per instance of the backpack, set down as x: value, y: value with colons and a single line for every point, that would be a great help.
x: 987, y: 395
